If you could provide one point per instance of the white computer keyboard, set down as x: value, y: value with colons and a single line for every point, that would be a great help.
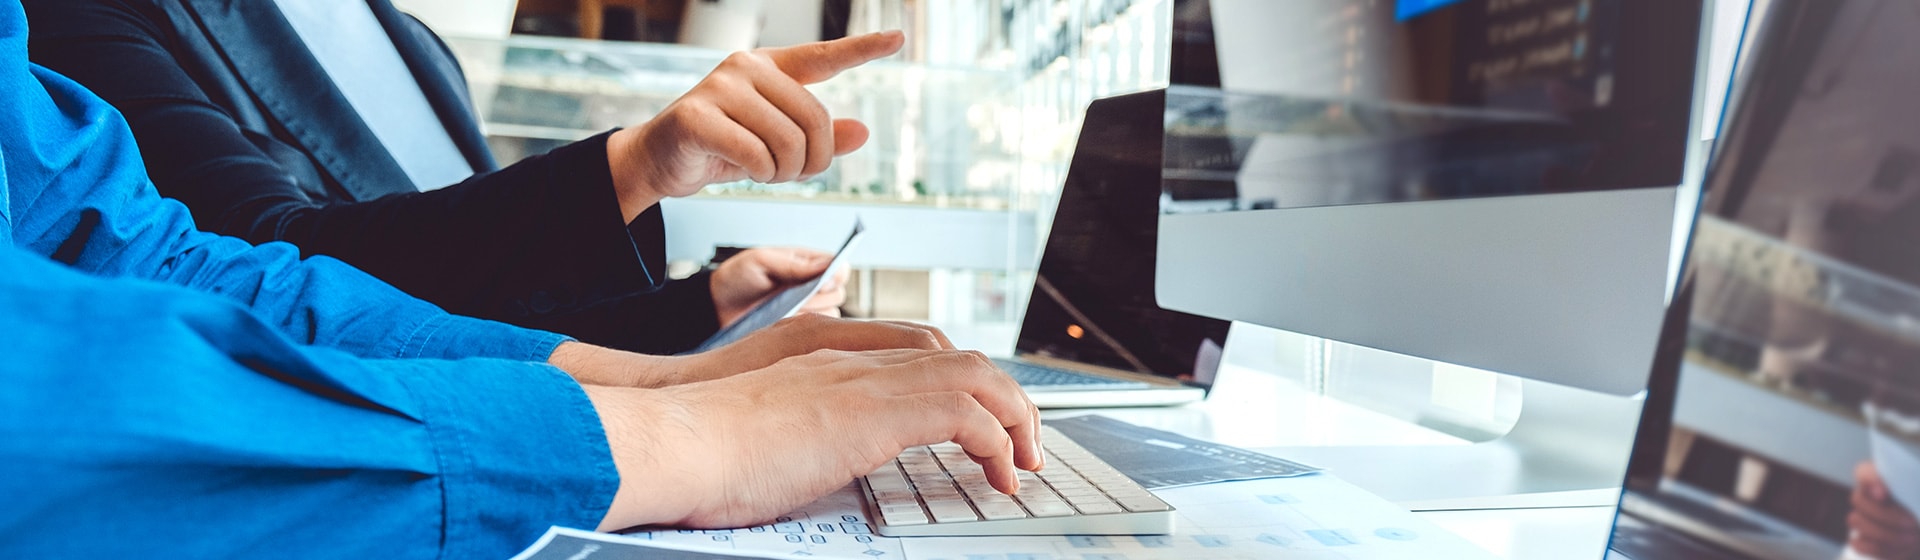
x: 937, y: 491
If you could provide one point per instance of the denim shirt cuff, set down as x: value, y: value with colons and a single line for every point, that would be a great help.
x: 520, y: 449
x: 444, y: 336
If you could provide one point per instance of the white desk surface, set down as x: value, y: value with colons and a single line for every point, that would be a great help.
x: 1526, y: 534
x: 1267, y: 413
x: 1263, y: 412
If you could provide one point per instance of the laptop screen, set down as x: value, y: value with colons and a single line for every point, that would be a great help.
x: 1784, y: 416
x: 1093, y: 299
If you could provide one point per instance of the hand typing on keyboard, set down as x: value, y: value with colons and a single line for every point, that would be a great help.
x: 743, y: 449
x: 936, y: 491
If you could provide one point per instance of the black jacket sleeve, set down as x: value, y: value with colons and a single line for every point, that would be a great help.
x: 538, y: 244
x: 673, y: 320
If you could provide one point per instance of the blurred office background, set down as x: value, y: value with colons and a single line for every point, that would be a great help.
x: 974, y: 124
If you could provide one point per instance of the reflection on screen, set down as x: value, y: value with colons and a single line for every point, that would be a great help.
x: 1093, y: 301
x: 1537, y: 96
x: 1796, y: 433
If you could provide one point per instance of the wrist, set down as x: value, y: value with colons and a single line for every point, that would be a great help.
x: 593, y: 365
x: 631, y: 183
x: 650, y: 436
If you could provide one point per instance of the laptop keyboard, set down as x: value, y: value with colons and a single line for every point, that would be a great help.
x: 1030, y: 375
x: 937, y: 491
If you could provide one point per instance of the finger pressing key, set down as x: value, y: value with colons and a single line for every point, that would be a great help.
x: 957, y: 417
x: 975, y: 374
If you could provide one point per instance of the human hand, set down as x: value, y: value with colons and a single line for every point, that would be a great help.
x: 801, y: 335
x: 1879, y: 527
x: 755, y: 275
x: 793, y: 336
x: 741, y: 450
x: 748, y: 119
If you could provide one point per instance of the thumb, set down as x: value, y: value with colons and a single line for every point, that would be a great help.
x: 793, y: 266
x: 848, y: 135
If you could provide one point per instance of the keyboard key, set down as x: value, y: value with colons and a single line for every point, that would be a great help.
x: 1049, y: 509
x: 951, y: 511
x: 1142, y: 503
x: 938, y: 490
x: 1007, y: 510
x: 1081, y: 491
x: 904, y: 516
x: 1081, y: 500
x: 900, y: 508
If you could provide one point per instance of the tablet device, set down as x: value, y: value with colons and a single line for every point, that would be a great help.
x: 784, y: 304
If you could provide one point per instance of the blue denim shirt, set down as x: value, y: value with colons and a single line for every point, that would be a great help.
x: 171, y: 393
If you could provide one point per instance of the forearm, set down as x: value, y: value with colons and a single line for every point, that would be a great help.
x: 598, y: 366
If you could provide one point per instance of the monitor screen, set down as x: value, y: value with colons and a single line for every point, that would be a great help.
x: 1093, y: 300
x: 1784, y: 417
x: 1330, y: 102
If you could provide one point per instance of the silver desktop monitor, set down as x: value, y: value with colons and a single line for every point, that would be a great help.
x: 1490, y: 183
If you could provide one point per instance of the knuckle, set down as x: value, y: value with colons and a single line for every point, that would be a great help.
x: 794, y: 140
x: 715, y: 81
x: 812, y: 115
x: 964, y: 363
x: 764, y: 172
x: 825, y: 355
x: 806, y: 359
x: 920, y: 338
x: 679, y: 113
x: 742, y: 59
x: 704, y: 110
x: 714, y: 85
x: 817, y: 51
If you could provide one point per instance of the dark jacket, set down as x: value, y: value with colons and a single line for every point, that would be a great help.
x: 237, y: 119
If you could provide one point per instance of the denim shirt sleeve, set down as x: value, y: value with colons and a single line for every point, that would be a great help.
x: 174, y: 393
x: 146, y: 420
x: 78, y: 194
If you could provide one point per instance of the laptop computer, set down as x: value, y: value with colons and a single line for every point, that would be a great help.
x: 1782, y: 419
x: 1093, y: 334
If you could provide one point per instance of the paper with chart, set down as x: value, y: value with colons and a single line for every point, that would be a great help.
x: 561, y: 543
x: 832, y: 527
x: 1309, y: 517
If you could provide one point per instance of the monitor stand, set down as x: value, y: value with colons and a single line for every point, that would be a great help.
x: 1569, y: 448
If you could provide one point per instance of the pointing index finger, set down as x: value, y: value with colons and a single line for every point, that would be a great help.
x: 816, y: 62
